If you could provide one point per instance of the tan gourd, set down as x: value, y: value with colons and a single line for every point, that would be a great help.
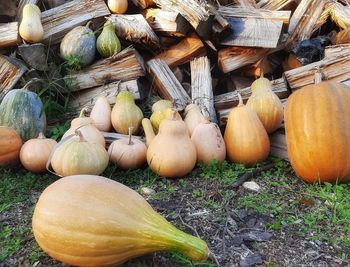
x: 126, y: 113
x: 36, y: 152
x: 118, y: 6
x: 31, y: 29
x: 87, y: 127
x: 172, y: 153
x: 10, y: 146
x: 209, y: 142
x: 159, y: 112
x: 245, y: 137
x: 128, y: 153
x: 101, y: 114
x: 193, y: 116
x: 148, y: 129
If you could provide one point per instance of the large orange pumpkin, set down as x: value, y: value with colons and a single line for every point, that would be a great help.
x: 10, y: 146
x: 317, y: 122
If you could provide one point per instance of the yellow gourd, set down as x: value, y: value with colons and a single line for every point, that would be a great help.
x: 159, y: 112
x: 148, y: 129
x: 107, y: 43
x: 31, y: 29
x: 118, y: 6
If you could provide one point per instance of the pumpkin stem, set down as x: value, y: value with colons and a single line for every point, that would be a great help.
x: 31, y: 82
x: 83, y: 112
x: 80, y: 135
x: 41, y: 136
x: 130, y: 136
x: 319, y: 76
x: 240, y: 103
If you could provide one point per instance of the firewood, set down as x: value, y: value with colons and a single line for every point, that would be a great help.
x: 195, y: 12
x: 166, y: 23
x: 143, y: 4
x: 342, y: 37
x: 9, y: 34
x: 60, y: 20
x: 334, y: 68
x: 201, y: 87
x: 221, y: 27
x: 246, y: 3
x: 181, y: 53
x: 261, y: 66
x: 275, y: 4
x: 334, y: 50
x: 302, y: 23
x: 87, y: 98
x: 125, y: 66
x: 8, y: 10
x: 291, y: 62
x: 339, y: 13
x: 34, y: 55
x: 11, y: 70
x: 135, y: 29
x: 56, y: 3
x: 21, y: 4
x: 235, y: 82
x: 279, y: 145
x: 167, y: 84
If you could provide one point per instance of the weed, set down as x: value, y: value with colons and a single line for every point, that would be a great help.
x: 10, y: 241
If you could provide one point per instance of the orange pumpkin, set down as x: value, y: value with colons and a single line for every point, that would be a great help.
x: 10, y: 146
x: 317, y: 123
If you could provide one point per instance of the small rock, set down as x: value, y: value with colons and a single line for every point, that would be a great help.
x: 252, y: 186
x: 251, y: 260
x: 147, y: 191
x: 256, y: 236
x: 237, y: 240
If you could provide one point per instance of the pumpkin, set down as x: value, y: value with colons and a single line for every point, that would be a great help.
x: 101, y: 114
x: 245, y: 137
x: 79, y: 44
x: 10, y: 146
x: 126, y: 113
x: 78, y: 156
x: 31, y: 29
x: 317, y: 124
x: 158, y: 112
x: 87, y: 220
x: 266, y: 104
x: 148, y: 129
x: 209, y: 143
x: 128, y: 153
x: 193, y: 117
x: 87, y: 127
x: 36, y: 152
x: 108, y: 43
x: 118, y: 6
x: 22, y: 110
x: 172, y: 153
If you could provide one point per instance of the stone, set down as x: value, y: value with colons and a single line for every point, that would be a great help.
x: 251, y: 186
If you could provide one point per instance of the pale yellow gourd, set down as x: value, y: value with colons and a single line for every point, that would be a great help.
x: 148, y: 129
x: 193, y: 117
x: 101, y: 114
x: 31, y: 29
x: 118, y: 6
x: 159, y: 112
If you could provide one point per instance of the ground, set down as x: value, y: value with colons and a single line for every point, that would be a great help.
x: 287, y: 223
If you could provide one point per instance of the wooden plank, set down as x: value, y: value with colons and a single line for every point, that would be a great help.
x: 60, y: 20
x: 56, y: 3
x: 274, y: 4
x: 339, y: 13
x: 167, y: 84
x: 279, y: 145
x: 168, y: 23
x: 35, y: 55
x: 143, y: 4
x: 125, y: 66
x: 334, y: 50
x: 9, y: 34
x: 21, y: 4
x: 11, y: 70
x: 183, y: 52
x: 246, y: 3
x: 135, y: 29
x: 8, y: 10
x: 201, y: 87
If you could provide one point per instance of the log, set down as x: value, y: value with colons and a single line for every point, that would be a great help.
x: 235, y: 82
x: 125, y: 66
x: 246, y: 3
x: 88, y: 97
x: 183, y: 52
x: 339, y: 13
x: 34, y: 55
x: 334, y: 68
x: 135, y: 29
x: 167, y: 84
x: 303, y: 20
x: 56, y: 3
x: 11, y: 70
x: 8, y: 10
x: 221, y: 27
x: 166, y: 23
x: 195, y: 12
x: 60, y: 20
x: 201, y: 87
x: 275, y: 4
x: 21, y: 4
x: 143, y: 4
x: 334, y: 50
x: 279, y: 145
x: 9, y: 34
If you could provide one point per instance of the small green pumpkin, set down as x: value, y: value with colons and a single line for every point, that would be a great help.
x: 79, y: 44
x: 108, y: 43
x: 22, y: 110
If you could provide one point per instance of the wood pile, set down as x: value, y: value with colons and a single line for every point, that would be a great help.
x: 199, y: 51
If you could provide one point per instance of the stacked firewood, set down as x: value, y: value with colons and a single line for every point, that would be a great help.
x: 198, y: 51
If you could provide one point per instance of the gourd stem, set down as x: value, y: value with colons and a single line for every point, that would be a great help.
x: 80, y: 135
x: 31, y: 82
x: 41, y: 136
x: 88, y: 24
x: 130, y: 135
x: 83, y: 112
x: 173, y: 117
x: 240, y: 103
x: 319, y: 77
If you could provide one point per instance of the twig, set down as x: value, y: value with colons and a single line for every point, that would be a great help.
x: 189, y: 226
x: 213, y: 258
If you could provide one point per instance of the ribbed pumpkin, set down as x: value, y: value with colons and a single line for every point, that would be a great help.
x: 10, y: 146
x: 79, y: 44
x: 87, y: 220
x: 108, y: 43
x: 22, y: 110
x: 245, y: 137
x: 317, y: 123
x: 31, y: 29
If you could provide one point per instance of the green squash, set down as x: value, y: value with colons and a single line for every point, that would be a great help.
x: 108, y: 43
x: 79, y: 44
x: 22, y: 110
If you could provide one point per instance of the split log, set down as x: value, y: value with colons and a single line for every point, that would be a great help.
x: 143, y: 4
x: 302, y: 23
x: 334, y: 68
x: 235, y: 82
x: 195, y: 12
x: 88, y: 97
x: 246, y: 3
x: 9, y: 34
x: 334, y: 50
x: 183, y: 52
x: 56, y: 3
x: 221, y: 27
x: 167, y: 84
x: 125, y: 66
x: 275, y: 4
x: 201, y: 87
x: 135, y: 29
x: 58, y: 21
x: 166, y: 22
x: 8, y: 10
x: 339, y: 13
x: 11, y: 70
x: 34, y: 55
x: 279, y: 145
x: 21, y: 5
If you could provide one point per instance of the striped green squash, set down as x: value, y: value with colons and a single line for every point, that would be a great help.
x: 22, y: 110
x: 108, y: 43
